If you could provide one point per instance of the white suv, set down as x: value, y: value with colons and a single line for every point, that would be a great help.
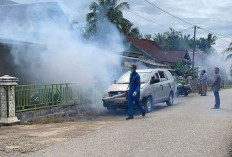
x: 157, y: 85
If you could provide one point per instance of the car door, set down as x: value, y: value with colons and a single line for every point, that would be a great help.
x: 165, y: 86
x: 156, y: 89
x: 171, y: 81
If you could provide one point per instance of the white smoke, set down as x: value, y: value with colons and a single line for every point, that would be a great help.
x: 58, y: 53
x: 209, y: 62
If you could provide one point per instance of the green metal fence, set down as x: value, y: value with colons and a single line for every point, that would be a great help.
x: 34, y: 97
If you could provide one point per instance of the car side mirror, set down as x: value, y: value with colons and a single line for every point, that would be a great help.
x: 115, y: 81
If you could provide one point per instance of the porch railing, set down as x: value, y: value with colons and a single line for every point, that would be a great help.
x: 34, y: 97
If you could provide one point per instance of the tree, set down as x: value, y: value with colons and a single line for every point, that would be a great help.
x: 229, y: 56
x: 125, y: 27
x: 172, y: 40
x: 205, y: 44
x: 134, y: 32
x: 175, y: 40
x: 184, y: 70
x: 147, y: 36
x: 128, y: 29
x: 161, y: 40
x: 110, y: 10
x: 229, y: 49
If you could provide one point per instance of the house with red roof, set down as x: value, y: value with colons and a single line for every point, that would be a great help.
x: 150, y: 50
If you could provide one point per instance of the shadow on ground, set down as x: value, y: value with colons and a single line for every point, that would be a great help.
x: 155, y: 108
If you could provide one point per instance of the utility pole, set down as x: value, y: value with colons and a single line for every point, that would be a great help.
x: 194, y: 45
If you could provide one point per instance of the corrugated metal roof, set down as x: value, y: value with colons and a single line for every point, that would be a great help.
x: 174, y: 56
x: 151, y: 48
x: 147, y: 46
x: 146, y: 61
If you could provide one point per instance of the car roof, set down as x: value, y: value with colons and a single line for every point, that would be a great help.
x: 150, y: 70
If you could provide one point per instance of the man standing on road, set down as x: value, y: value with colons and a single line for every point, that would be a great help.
x: 203, y: 83
x: 134, y: 93
x: 216, y: 87
x: 199, y: 84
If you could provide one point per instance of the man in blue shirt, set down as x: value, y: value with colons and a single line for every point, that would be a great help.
x: 134, y: 93
x: 216, y: 87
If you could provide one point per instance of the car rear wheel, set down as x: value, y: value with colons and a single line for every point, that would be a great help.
x: 169, y: 102
x: 148, y: 104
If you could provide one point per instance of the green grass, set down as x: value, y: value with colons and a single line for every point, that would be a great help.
x: 227, y: 87
x: 44, y: 121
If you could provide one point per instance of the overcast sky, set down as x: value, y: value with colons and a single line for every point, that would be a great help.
x: 214, y: 15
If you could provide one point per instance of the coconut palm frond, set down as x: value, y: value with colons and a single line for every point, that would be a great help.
x: 123, y: 5
x: 229, y: 56
x: 112, y: 10
x: 93, y: 6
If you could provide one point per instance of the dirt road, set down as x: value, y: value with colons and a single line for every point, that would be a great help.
x: 189, y: 128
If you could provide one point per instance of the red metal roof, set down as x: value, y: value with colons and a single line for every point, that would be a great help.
x: 147, y: 46
x: 175, y: 56
x: 151, y: 48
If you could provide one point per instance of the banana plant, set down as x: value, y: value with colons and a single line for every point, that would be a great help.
x: 185, y: 70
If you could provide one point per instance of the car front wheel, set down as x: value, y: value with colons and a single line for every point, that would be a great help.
x: 148, y: 104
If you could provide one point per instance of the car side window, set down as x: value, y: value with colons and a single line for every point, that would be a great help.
x: 156, y: 75
x: 169, y: 76
x: 155, y: 78
x: 162, y: 76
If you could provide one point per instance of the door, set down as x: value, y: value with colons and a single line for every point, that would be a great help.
x: 156, y: 88
x: 165, y: 86
x: 171, y: 81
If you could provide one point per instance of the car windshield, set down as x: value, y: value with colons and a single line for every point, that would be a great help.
x: 125, y: 78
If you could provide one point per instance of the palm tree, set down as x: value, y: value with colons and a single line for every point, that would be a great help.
x: 162, y: 41
x: 229, y: 49
x: 147, y: 36
x: 211, y: 39
x: 125, y: 26
x: 205, y: 44
x: 134, y: 32
x: 229, y: 56
x: 110, y: 10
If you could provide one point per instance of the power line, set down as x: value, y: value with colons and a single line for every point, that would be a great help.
x: 147, y: 19
x: 185, y: 29
x: 209, y: 31
x: 169, y: 13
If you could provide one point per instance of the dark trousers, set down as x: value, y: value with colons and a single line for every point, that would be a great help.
x: 135, y: 99
x: 217, y: 99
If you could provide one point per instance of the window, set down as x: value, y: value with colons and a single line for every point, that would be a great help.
x: 162, y: 76
x: 168, y: 74
x: 144, y: 76
x: 125, y: 78
x: 156, y: 76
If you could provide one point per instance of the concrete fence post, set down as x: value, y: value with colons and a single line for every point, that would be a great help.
x: 7, y: 100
